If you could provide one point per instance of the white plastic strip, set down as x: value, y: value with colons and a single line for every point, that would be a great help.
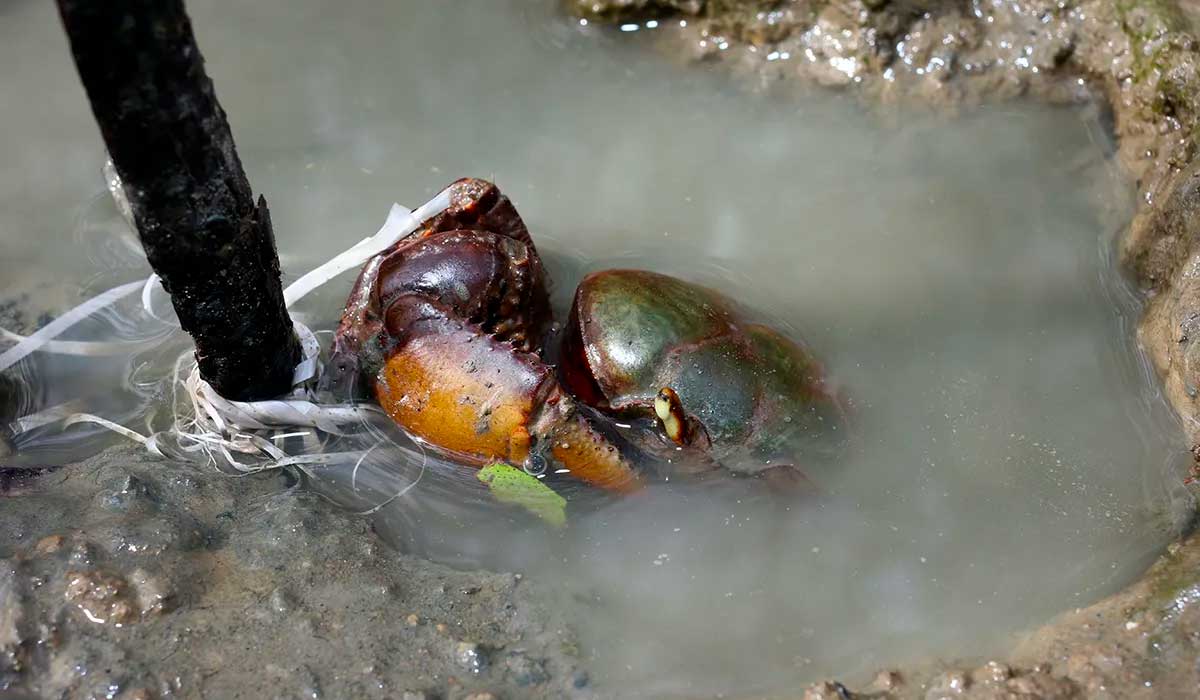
x: 56, y: 327
x: 278, y: 413
x: 84, y: 348
x: 101, y: 348
x: 152, y: 282
x: 400, y: 222
x: 310, y: 354
x: 116, y: 428
x: 50, y: 415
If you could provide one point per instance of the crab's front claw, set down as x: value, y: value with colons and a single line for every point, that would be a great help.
x: 481, y: 400
x: 445, y: 329
x: 473, y: 204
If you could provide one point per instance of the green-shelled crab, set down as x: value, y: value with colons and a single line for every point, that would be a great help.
x: 652, y: 376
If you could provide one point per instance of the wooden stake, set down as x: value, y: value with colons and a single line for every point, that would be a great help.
x: 203, y: 232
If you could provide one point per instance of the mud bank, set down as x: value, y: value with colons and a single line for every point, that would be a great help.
x: 1139, y: 58
x: 179, y: 582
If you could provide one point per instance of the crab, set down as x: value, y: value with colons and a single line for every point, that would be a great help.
x: 450, y: 330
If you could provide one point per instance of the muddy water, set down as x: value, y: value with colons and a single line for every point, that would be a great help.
x: 1013, y: 457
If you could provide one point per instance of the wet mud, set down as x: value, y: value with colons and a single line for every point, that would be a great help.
x: 176, y: 581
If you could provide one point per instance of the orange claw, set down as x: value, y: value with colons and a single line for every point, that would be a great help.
x: 464, y: 393
x: 481, y: 401
x: 591, y: 458
x: 446, y: 327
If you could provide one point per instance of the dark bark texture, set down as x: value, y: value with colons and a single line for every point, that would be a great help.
x: 204, y: 233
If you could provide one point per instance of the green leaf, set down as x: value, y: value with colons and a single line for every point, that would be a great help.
x: 512, y: 485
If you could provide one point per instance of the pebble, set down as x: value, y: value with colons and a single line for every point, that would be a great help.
x: 470, y: 656
x: 82, y: 554
x: 826, y: 690
x: 887, y: 680
x: 129, y: 493
x: 580, y: 679
x: 103, y: 597
x: 993, y: 671
x: 50, y: 544
x: 154, y: 596
x: 281, y: 601
x: 948, y: 684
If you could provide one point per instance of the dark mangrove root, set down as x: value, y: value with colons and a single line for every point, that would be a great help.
x: 204, y: 233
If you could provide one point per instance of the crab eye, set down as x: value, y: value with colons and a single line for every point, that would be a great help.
x: 669, y: 410
x: 535, y: 464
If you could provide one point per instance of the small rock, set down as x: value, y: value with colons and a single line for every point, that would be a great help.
x: 49, y: 544
x: 281, y: 601
x: 130, y: 492
x: 948, y: 684
x: 992, y: 671
x: 1041, y: 685
x: 103, y: 597
x: 483, y: 695
x: 414, y: 695
x: 827, y: 690
x: 82, y: 553
x: 153, y: 596
x: 412, y: 620
x: 310, y: 686
x: 470, y: 656
x: 887, y: 680
x: 1079, y: 665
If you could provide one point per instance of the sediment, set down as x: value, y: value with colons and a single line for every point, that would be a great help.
x: 121, y: 577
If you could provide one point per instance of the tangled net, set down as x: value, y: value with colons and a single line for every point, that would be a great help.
x: 237, y: 437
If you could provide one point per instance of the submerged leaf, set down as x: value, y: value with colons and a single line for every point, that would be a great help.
x: 514, y: 486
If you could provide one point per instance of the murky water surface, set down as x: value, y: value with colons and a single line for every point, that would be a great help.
x: 1014, y: 458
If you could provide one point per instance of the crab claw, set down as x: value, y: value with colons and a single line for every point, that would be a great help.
x: 445, y: 329
x: 481, y: 400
